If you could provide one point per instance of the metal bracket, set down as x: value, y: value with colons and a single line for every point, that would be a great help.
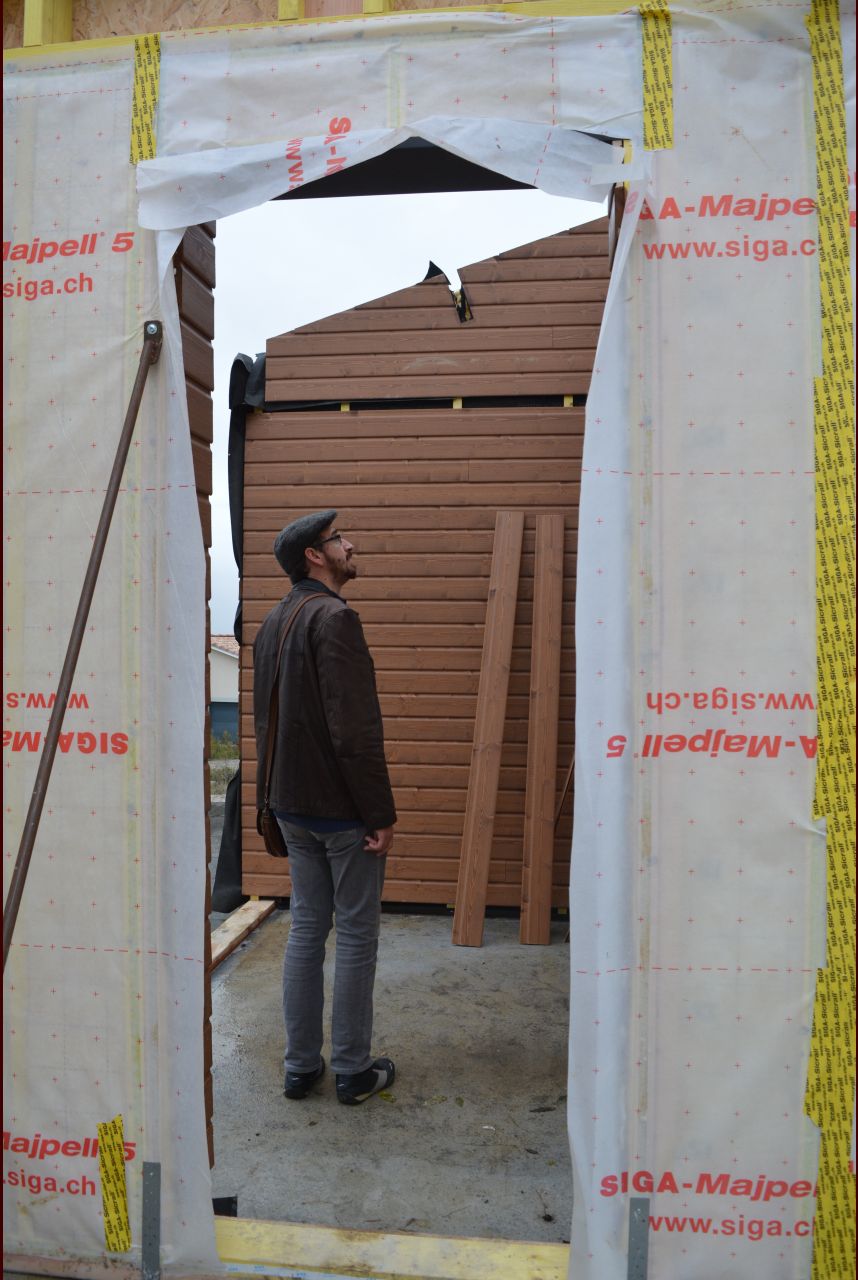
x: 151, y: 1220
x: 638, y: 1253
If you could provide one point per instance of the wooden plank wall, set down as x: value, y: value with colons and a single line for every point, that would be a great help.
x: 194, y: 270
x: 417, y: 488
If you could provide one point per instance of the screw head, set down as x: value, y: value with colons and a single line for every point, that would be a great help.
x: 151, y: 329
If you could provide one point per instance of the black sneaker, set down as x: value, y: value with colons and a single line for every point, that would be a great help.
x: 299, y: 1083
x: 353, y: 1090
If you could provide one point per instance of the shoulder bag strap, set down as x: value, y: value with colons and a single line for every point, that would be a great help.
x: 274, y: 703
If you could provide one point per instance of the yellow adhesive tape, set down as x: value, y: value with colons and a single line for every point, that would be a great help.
x: 830, y: 1092
x: 657, y: 75
x: 147, y: 75
x: 114, y: 1192
x: 835, y: 572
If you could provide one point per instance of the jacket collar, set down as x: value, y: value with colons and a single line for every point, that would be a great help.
x: 310, y: 585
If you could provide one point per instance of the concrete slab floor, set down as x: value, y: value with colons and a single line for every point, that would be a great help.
x: 470, y: 1141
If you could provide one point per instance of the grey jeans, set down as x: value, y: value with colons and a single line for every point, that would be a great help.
x: 332, y: 875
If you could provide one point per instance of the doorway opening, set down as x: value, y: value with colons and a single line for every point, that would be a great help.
x: 472, y: 1138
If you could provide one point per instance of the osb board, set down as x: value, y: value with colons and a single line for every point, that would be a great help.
x: 13, y: 24
x: 406, y: 6
x: 98, y: 19
x: 334, y: 8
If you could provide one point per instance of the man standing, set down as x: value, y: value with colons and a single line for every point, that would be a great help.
x: 331, y: 794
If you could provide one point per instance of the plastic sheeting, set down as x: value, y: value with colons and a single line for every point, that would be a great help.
x: 698, y: 896
x: 298, y: 103
x: 104, y: 984
x: 698, y: 880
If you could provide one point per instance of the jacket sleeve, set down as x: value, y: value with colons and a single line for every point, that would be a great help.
x: 347, y: 683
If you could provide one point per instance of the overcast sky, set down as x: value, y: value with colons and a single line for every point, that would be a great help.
x: 286, y: 264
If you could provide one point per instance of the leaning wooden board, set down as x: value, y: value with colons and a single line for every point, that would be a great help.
x: 539, y: 802
x: 488, y: 731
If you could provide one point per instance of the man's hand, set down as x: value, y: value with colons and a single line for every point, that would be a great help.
x: 378, y: 842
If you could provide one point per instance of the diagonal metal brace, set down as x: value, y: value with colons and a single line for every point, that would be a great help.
x: 152, y: 339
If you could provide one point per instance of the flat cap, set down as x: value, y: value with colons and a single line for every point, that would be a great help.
x: 290, y: 542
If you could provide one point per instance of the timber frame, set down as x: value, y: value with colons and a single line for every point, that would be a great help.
x: 47, y: 25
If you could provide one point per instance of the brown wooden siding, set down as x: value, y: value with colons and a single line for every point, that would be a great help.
x: 412, y: 344
x: 194, y: 270
x: 417, y: 489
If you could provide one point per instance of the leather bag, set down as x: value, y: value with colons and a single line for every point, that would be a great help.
x: 266, y: 822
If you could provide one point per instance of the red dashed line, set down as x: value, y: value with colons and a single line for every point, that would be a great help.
x: 731, y: 8
x: 737, y: 40
x: 643, y: 475
x: 69, y: 93
x: 704, y: 968
x: 37, y: 493
x: 167, y: 955
x: 69, y: 66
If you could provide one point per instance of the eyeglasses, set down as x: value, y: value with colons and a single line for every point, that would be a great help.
x: 335, y: 537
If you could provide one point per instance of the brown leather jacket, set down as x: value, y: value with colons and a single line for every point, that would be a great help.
x: 329, y: 754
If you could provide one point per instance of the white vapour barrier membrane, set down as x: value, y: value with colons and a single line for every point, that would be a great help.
x: 698, y: 902
x: 698, y: 877
x: 295, y: 104
x: 103, y: 1008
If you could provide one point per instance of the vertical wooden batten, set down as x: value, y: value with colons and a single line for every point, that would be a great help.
x: 194, y: 270
x: 47, y: 22
x: 471, y: 894
x: 539, y: 802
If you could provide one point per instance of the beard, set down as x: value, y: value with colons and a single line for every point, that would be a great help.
x: 342, y: 571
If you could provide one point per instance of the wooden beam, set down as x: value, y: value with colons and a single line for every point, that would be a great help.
x: 488, y: 731
x: 237, y: 926
x: 255, y: 1247
x: 47, y: 22
x: 535, y: 923
x: 249, y: 1246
